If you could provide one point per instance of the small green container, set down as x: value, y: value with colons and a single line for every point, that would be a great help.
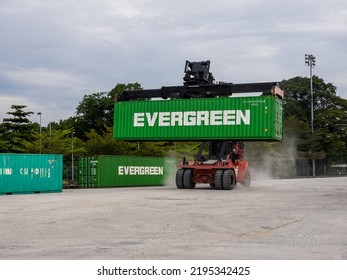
x: 236, y: 118
x: 118, y: 171
x: 30, y: 173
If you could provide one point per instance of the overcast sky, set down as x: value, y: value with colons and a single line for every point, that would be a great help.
x: 52, y: 53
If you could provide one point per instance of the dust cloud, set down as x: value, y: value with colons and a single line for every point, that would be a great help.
x: 269, y: 160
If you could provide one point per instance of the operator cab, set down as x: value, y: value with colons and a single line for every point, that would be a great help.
x: 219, y: 151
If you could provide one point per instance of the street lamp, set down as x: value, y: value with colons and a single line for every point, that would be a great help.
x: 310, y: 61
x: 72, y: 163
x: 39, y: 114
x: 50, y: 137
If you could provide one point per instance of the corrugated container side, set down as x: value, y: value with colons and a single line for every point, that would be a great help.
x: 279, y: 119
x: 117, y: 171
x: 30, y: 173
x: 239, y: 118
x: 87, y: 172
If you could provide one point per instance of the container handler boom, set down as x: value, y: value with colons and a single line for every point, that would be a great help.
x: 199, y: 83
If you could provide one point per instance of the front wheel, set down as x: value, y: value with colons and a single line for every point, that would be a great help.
x: 187, y: 179
x: 228, y: 179
x: 218, y: 179
x: 179, y: 178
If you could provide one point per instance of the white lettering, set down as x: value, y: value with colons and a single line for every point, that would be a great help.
x: 189, y: 118
x: 229, y: 117
x: 216, y: 118
x: 6, y: 171
x: 202, y: 117
x: 245, y: 118
x: 120, y: 170
x: 164, y: 119
x: 139, y: 119
x: 193, y: 118
x: 176, y: 117
x: 140, y: 170
x: 151, y: 120
x: 24, y: 171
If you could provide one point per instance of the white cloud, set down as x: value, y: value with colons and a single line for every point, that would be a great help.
x: 40, y: 77
x: 7, y: 101
x: 54, y: 52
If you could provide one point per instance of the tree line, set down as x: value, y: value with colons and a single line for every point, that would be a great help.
x: 90, y: 132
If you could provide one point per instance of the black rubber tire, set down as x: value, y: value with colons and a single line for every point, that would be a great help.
x: 179, y: 178
x: 228, y: 179
x: 187, y: 179
x: 246, y: 182
x: 218, y: 179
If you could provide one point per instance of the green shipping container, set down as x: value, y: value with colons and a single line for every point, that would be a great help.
x: 118, y: 171
x: 30, y: 173
x: 235, y: 118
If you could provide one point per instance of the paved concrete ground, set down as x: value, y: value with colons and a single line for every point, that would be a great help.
x: 274, y: 219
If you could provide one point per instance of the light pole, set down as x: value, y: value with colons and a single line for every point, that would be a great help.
x: 39, y: 114
x: 72, y: 163
x: 50, y: 137
x: 310, y: 61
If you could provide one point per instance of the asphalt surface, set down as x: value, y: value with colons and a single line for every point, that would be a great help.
x: 274, y: 219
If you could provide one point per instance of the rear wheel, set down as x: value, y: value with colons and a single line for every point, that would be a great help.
x: 187, y: 179
x: 179, y: 178
x: 218, y: 179
x: 228, y: 179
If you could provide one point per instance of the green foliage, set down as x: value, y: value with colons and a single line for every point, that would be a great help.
x: 95, y: 111
x: 16, y: 129
x: 329, y: 140
x: 152, y: 149
x: 119, y: 88
x: 104, y: 144
x: 298, y: 96
x: 55, y: 141
x: 184, y: 149
x: 64, y: 124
